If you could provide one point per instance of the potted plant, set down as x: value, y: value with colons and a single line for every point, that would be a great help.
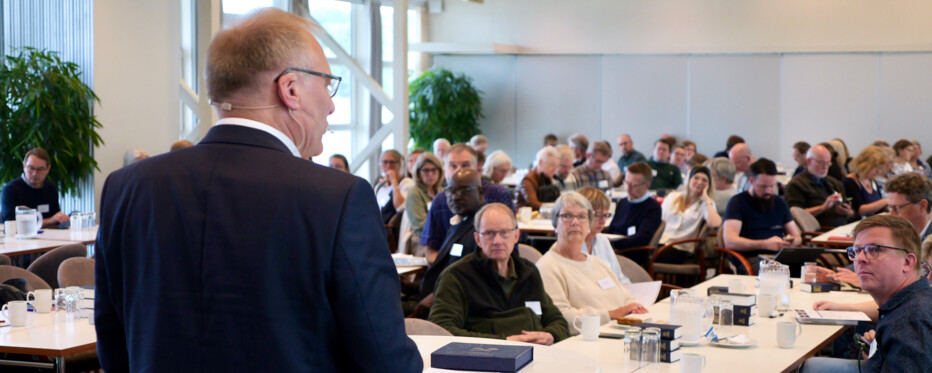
x: 443, y: 104
x: 45, y: 104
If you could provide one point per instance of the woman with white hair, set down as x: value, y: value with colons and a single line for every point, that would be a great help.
x: 579, y: 283
x: 497, y: 166
x: 537, y: 187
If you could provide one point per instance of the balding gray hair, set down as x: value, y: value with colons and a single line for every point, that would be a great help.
x: 723, y: 168
x: 498, y: 207
x: 546, y: 152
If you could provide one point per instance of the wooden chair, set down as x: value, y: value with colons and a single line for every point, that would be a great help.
x: 725, y: 255
x: 76, y: 272
x: 811, y: 228
x: 646, y: 250
x: 33, y: 281
x: 529, y: 252
x: 695, y: 267
x: 423, y: 327
x: 392, y: 229
x: 46, y: 266
x: 5, y: 260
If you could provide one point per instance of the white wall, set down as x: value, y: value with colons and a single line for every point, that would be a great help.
x: 137, y: 67
x: 593, y: 67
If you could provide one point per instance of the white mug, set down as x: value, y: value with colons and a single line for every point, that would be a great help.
x: 766, y: 304
x: 42, y: 300
x: 524, y: 214
x: 736, y: 286
x: 692, y: 363
x: 15, y: 311
x: 590, y: 326
x: 10, y: 227
x: 787, y: 331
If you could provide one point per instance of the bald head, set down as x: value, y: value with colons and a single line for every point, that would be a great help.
x: 818, y: 160
x: 464, y: 197
x: 625, y: 143
x: 740, y: 155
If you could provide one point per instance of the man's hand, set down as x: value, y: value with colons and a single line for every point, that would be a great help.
x: 627, y: 310
x: 824, y: 305
x: 843, y: 209
x: 541, y: 338
x: 774, y: 243
x: 392, y: 177
x: 60, y: 217
x: 846, y: 275
x: 422, y: 310
x: 831, y: 201
x: 869, y: 338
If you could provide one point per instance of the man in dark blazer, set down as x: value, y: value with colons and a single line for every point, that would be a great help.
x: 239, y: 254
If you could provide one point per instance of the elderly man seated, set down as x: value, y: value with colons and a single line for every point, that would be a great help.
x: 492, y: 294
x: 590, y: 173
x: 821, y: 195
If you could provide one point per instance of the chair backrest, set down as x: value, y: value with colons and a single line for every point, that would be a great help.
x: 46, y: 266
x: 631, y: 269
x: 76, y: 272
x: 415, y: 326
x: 33, y: 282
x: 720, y: 236
x: 805, y: 220
x: 655, y: 241
x: 5, y: 260
x: 529, y: 252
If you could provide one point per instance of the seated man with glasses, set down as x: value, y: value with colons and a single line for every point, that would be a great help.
x: 493, y: 293
x: 590, y: 172
x: 638, y: 216
x: 464, y: 198
x: 910, y: 196
x: 886, y: 255
x: 33, y: 190
x: 579, y: 283
x: 821, y: 195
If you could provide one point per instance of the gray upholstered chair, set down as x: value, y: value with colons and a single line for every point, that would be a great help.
x: 5, y: 260
x: 529, y: 252
x: 46, y: 266
x: 33, y: 282
x: 76, y: 272
x: 631, y: 269
x: 415, y: 326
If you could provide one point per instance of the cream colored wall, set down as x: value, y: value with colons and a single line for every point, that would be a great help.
x: 137, y: 67
x: 688, y: 26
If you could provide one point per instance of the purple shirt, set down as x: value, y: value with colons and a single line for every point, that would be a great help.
x: 438, y: 219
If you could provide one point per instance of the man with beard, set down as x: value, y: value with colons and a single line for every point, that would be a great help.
x: 821, y: 195
x: 758, y: 221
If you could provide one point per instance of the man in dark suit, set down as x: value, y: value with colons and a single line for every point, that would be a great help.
x: 238, y: 254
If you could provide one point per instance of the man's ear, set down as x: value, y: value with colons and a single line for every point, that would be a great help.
x: 909, y: 262
x: 287, y: 91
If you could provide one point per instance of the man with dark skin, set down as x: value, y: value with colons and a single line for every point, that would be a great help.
x: 464, y: 197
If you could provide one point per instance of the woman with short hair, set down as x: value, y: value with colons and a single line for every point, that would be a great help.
x: 497, y: 166
x: 428, y: 180
x: 861, y: 184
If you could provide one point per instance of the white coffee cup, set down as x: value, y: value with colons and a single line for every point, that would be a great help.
x: 590, y: 326
x: 42, y: 300
x: 524, y: 214
x: 766, y: 303
x: 787, y: 331
x: 15, y: 311
x: 10, y: 227
x: 736, y: 286
x: 692, y: 363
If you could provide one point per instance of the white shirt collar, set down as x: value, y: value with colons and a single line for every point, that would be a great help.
x: 264, y: 128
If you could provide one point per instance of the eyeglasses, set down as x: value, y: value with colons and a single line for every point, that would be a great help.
x: 459, y: 192
x: 606, y: 215
x: 504, y: 233
x: 898, y: 208
x: 822, y: 163
x: 926, y: 269
x: 389, y: 162
x: 430, y: 170
x: 37, y: 169
x: 870, y: 251
x: 570, y: 217
x: 332, y: 86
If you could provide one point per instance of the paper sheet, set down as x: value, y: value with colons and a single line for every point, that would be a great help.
x: 645, y: 292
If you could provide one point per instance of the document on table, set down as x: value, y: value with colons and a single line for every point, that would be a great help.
x: 645, y: 292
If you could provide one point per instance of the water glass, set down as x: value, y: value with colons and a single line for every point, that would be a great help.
x: 633, y: 343
x: 650, y: 345
x: 60, y: 303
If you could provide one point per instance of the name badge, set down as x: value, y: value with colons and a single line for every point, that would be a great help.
x: 43, y: 208
x: 653, y: 172
x: 632, y: 230
x: 603, y: 184
x: 873, y: 349
x: 534, y: 306
x: 456, y: 250
x: 606, y: 283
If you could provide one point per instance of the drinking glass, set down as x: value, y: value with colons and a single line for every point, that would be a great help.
x: 650, y: 345
x: 633, y: 343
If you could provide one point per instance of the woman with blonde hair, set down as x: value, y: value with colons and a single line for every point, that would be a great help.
x: 685, y: 211
x: 428, y: 180
x: 861, y: 184
x: 597, y: 243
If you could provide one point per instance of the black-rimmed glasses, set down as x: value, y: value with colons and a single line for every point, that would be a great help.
x: 870, y: 251
x: 505, y: 233
x: 332, y: 86
x: 898, y: 208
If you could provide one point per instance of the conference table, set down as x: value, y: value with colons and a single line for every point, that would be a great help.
x: 45, y: 241
x: 54, y: 334
x: 838, y: 237
x: 765, y: 356
x: 547, y: 359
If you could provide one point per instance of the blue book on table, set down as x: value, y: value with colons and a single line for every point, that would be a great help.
x: 482, y: 357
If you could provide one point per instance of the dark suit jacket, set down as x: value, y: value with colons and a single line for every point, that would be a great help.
x: 234, y: 255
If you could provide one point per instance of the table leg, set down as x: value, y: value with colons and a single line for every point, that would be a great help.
x: 60, y: 364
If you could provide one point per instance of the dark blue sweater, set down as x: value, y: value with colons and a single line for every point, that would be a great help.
x: 19, y: 193
x: 645, y: 217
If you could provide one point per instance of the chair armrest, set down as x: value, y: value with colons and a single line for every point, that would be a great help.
x: 723, y: 252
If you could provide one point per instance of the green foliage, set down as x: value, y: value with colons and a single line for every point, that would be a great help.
x: 443, y: 104
x: 46, y: 105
